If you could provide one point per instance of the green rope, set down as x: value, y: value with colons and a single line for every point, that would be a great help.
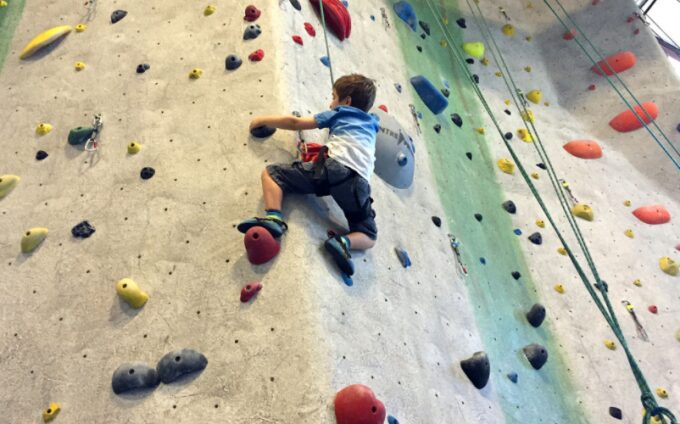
x: 325, y: 37
x: 648, y: 400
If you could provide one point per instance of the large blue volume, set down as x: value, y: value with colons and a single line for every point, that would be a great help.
x: 429, y: 94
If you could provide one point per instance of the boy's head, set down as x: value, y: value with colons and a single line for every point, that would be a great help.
x: 353, y: 90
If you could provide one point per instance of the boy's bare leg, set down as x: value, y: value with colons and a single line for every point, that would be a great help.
x: 273, y: 195
x: 360, y: 241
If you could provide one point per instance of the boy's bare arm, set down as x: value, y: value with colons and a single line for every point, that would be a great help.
x: 285, y: 122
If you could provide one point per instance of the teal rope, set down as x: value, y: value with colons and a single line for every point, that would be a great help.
x: 325, y: 37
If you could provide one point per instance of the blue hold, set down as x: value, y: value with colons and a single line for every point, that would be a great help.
x: 429, y: 94
x: 512, y: 376
x: 326, y: 61
x: 397, y: 86
x: 346, y: 3
x: 482, y: 260
x: 405, y: 11
x: 392, y: 420
x: 517, y: 231
x: 403, y: 257
x: 373, y: 18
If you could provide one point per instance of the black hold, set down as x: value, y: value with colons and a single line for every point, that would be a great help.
x: 477, y: 369
x: 445, y: 92
x: 142, y: 67
x: 296, y: 4
x: 509, y: 206
x: 615, y: 412
x: 461, y: 23
x: 516, y: 275
x: 83, y: 230
x: 252, y: 32
x: 420, y: 49
x: 133, y: 376
x: 536, y: 354
x: 423, y: 36
x: 470, y: 60
x: 437, y: 221
x: 479, y: 217
x: 508, y: 136
x: 457, y: 119
x: 425, y: 26
x: 469, y: 155
x: 262, y: 131
x: 232, y: 62
x: 117, y: 15
x: 536, y: 238
x: 507, y: 112
x: 536, y: 315
x: 147, y: 172
x: 475, y: 78
x: 41, y: 154
x: 542, y: 166
x: 175, y: 364
x: 437, y: 128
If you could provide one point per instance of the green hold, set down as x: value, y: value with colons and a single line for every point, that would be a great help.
x: 79, y: 135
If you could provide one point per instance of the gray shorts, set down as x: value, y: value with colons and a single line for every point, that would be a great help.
x: 350, y: 190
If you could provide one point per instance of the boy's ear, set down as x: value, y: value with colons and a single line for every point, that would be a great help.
x: 347, y: 101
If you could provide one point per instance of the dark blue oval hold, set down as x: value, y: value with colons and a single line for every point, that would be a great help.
x: 516, y: 275
x: 41, y: 154
x: 83, y: 230
x: 517, y: 231
x: 117, y: 15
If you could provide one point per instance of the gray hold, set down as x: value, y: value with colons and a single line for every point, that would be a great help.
x: 135, y: 375
x: 536, y: 315
x: 477, y: 369
x: 536, y: 354
x: 180, y: 362
x: 252, y: 32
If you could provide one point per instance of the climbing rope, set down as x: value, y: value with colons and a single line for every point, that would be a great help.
x: 648, y: 400
x: 325, y: 37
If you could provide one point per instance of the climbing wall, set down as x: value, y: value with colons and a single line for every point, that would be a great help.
x: 175, y: 170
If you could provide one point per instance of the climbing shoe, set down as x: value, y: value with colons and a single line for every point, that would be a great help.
x: 276, y: 227
x: 340, y: 252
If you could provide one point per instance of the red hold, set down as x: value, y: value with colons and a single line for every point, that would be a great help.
x: 298, y: 40
x: 616, y: 63
x: 337, y: 17
x: 569, y: 35
x: 252, y: 13
x: 627, y: 121
x: 652, y: 214
x: 357, y: 404
x: 383, y: 108
x: 310, y: 29
x: 653, y: 309
x: 260, y: 245
x: 591, y: 87
x: 250, y: 290
x: 257, y: 55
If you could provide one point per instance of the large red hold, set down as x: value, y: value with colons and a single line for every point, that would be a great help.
x: 652, y: 214
x: 252, y: 13
x: 337, y: 17
x: 627, y: 120
x: 357, y: 404
x: 615, y: 63
x: 260, y: 245
x: 584, y: 149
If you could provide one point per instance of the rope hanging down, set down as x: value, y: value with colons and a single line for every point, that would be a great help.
x: 325, y: 37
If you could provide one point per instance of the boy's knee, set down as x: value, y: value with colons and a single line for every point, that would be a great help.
x: 370, y: 242
x: 265, y: 174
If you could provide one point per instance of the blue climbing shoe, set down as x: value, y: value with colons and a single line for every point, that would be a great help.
x: 338, y: 249
x: 276, y: 227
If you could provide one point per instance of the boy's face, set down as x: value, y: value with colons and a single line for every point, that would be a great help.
x: 347, y: 101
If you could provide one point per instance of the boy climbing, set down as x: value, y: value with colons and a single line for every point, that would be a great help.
x: 342, y: 169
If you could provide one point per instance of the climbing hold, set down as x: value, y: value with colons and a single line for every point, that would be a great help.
x: 536, y: 315
x: 117, y: 15
x: 652, y: 214
x: 425, y: 26
x: 629, y: 233
x: 506, y: 166
x: 392, y: 420
x: 662, y: 393
x: 508, y: 30
x: 615, y: 63
x: 559, y: 288
x: 403, y: 257
x: 628, y: 121
x: 131, y: 376
x: 32, y: 239
x: 478, y: 217
x: 615, y: 412
x: 51, y: 412
x: 525, y: 135
x: 627, y: 203
x: 512, y: 376
x: 296, y: 4
x: 509, y: 206
x: 535, y: 175
x: 437, y: 221
x: 383, y: 108
x: 482, y: 261
x: 175, y: 364
x: 232, y: 62
x: 256, y: 56
x: 475, y: 78
x: 337, y: 17
x: 542, y: 166
x: 540, y: 223
x: 262, y: 131
x: 326, y: 61
x: 357, y: 404
x: 394, y: 152
x: 196, y: 73
x: 445, y: 92
x: 528, y: 115
x: 142, y: 67
x: 477, y: 369
x: 584, y: 149
x: 508, y: 136
x: 298, y: 40
x: 7, y: 184
x: 79, y: 135
x: 3, y: 3
x: 43, y: 129
x: 474, y: 49
x: 582, y: 211
x: 249, y: 291
x: 469, y: 155
x: 130, y: 292
x: 637, y: 283
x: 536, y: 354
x: 209, y: 10
x: 517, y: 231
x: 251, y: 13
x: 569, y: 35
x: 653, y: 309
x: 80, y: 27
x: 668, y: 265
x: 260, y: 245
x: 420, y: 49
x: 44, y: 39
x: 252, y: 32
x: 433, y: 98
x: 134, y: 148
x: 41, y: 154
x: 437, y: 128
x: 461, y: 23
x: 79, y: 66
x: 480, y: 131
x: 405, y: 11
x: 534, y: 96
x: 83, y: 230
x: 536, y: 238
x: 310, y: 29
x: 499, y: 74
x: 147, y: 172
x: 516, y: 275
x: 610, y: 344
x: 443, y: 43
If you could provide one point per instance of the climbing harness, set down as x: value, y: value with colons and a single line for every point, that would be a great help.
x: 92, y: 144
x: 455, y: 245
x: 638, y: 327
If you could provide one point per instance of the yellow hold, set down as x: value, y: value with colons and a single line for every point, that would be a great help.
x: 637, y: 282
x: 546, y: 104
x: 534, y: 96
x: 43, y: 128
x: 528, y: 115
x: 32, y: 239
x: 484, y: 61
x: 209, y: 10
x: 525, y: 135
x: 668, y: 265
x: 480, y: 130
x: 3, y: 3
x: 445, y: 20
x: 662, y: 393
x: 507, y: 102
x: 506, y: 166
x: 629, y: 233
x: 475, y: 49
x: 443, y: 43
x: 81, y: 27
x: 196, y: 73
x: 582, y: 211
x: 508, y: 30
x: 562, y: 251
x: 134, y: 147
x: 498, y: 74
x: 626, y: 203
x: 610, y: 344
x: 540, y: 223
x: 79, y: 66
x: 51, y: 412
x: 559, y: 288
x: 43, y: 39
x: 7, y: 184
x: 527, y: 68
x: 130, y: 292
x: 535, y: 175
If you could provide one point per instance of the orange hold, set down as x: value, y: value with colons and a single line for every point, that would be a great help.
x: 615, y: 63
x: 383, y: 108
x: 584, y: 149
x: 652, y: 214
x: 627, y: 121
